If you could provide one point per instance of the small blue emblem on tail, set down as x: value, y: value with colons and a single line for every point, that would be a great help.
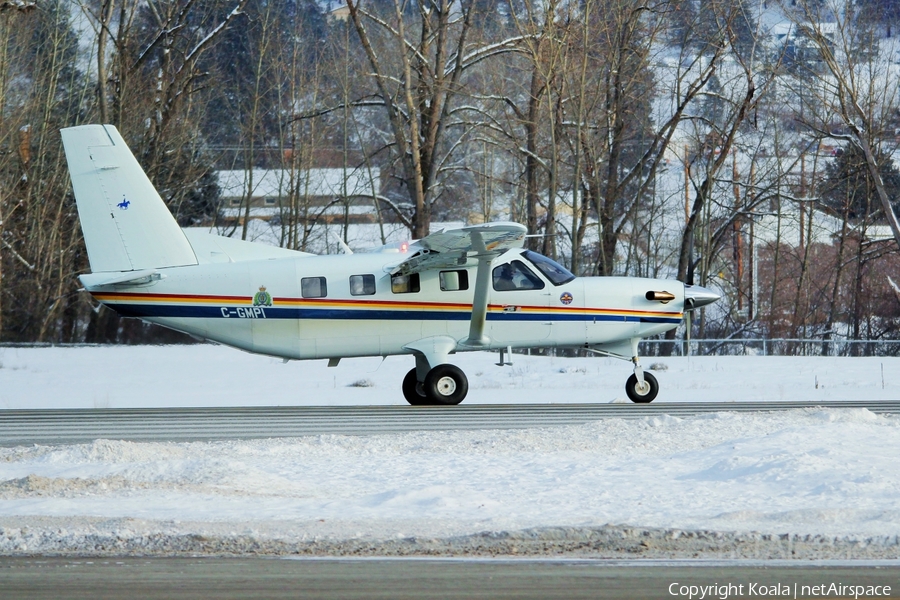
x: 124, y: 204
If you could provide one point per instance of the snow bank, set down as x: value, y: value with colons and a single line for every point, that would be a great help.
x: 826, y: 476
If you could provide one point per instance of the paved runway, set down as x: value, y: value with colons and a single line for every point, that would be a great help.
x: 250, y: 578
x: 195, y: 424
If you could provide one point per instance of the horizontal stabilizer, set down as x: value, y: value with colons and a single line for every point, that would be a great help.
x: 126, y: 225
x: 92, y: 280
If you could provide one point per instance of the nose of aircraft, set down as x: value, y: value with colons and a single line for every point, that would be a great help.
x: 696, y: 296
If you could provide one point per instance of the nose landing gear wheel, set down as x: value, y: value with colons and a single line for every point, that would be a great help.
x: 645, y: 394
x: 446, y: 384
x: 412, y: 390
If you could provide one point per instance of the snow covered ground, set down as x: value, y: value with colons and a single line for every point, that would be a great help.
x: 827, y: 472
x: 208, y: 375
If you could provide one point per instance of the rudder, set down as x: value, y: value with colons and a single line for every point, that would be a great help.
x: 126, y: 225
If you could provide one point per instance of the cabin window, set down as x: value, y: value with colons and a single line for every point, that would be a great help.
x: 552, y: 270
x: 313, y: 287
x: 362, y: 285
x: 453, y: 281
x: 405, y: 284
x: 235, y: 201
x: 516, y: 276
x: 270, y: 201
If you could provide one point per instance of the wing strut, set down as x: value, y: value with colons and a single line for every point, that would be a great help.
x: 480, y: 301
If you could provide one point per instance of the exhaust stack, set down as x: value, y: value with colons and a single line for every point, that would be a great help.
x: 664, y: 297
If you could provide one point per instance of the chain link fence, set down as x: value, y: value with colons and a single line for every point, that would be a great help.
x: 770, y: 347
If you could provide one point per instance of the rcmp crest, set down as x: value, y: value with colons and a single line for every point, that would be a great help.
x: 262, y: 297
x: 566, y: 298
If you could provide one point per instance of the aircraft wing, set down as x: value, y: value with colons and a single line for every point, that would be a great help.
x: 454, y: 247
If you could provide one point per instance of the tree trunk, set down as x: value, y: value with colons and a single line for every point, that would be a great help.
x: 531, y: 161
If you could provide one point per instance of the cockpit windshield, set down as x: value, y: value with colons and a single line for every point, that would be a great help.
x: 555, y: 272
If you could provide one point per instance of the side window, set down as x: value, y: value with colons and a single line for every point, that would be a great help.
x: 362, y: 285
x: 453, y: 281
x: 405, y: 284
x: 313, y: 287
x: 516, y: 276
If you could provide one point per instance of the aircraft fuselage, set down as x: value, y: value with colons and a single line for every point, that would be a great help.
x: 321, y: 307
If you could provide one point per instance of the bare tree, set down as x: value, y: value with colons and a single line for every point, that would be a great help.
x: 621, y: 156
x: 857, y: 87
x: 847, y: 90
x: 424, y: 53
x: 42, y: 89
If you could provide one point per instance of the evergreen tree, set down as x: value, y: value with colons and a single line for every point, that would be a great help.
x: 243, y: 75
x: 849, y: 187
x: 884, y: 13
x: 682, y: 21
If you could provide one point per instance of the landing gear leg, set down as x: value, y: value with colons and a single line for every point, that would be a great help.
x: 414, y: 383
x: 433, y: 381
x: 641, y: 387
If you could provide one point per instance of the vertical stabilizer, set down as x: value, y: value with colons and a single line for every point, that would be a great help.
x: 126, y: 225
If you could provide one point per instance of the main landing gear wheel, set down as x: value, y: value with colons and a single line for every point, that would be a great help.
x: 412, y: 390
x: 446, y: 384
x: 639, y: 394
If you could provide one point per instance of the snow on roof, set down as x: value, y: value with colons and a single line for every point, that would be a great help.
x: 312, y: 182
x: 258, y: 212
x: 879, y: 232
x: 785, y: 227
x: 789, y: 29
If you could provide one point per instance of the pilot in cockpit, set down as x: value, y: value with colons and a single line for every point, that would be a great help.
x: 503, y: 278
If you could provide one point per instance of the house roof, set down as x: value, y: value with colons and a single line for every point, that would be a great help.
x: 277, y: 183
x: 788, y: 29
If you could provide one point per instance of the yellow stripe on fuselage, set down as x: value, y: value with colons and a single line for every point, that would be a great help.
x: 194, y: 299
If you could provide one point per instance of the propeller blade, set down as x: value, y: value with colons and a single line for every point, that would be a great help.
x: 687, y: 331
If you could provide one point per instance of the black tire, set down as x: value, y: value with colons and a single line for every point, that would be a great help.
x: 446, y: 384
x: 631, y: 388
x: 410, y: 391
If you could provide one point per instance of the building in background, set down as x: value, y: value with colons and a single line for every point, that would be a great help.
x: 325, y: 195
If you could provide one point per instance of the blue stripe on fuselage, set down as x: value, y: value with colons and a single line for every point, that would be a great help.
x: 268, y: 312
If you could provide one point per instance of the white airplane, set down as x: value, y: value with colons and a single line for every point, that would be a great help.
x: 459, y: 290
